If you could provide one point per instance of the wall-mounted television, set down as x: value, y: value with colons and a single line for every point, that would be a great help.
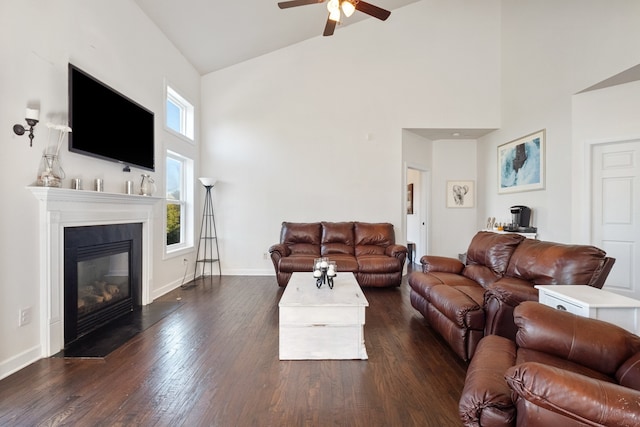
x: 108, y: 125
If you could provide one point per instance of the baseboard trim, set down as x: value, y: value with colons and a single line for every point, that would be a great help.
x: 19, y: 361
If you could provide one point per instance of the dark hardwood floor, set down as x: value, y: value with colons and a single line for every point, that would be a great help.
x: 214, y: 362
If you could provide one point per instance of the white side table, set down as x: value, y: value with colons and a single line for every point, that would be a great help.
x: 527, y: 235
x: 592, y: 302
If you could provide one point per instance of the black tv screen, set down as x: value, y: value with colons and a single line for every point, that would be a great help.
x: 107, y: 124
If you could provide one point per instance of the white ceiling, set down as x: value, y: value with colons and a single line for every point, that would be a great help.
x: 215, y: 34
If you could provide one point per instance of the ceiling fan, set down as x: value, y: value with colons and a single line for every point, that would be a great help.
x: 334, y: 6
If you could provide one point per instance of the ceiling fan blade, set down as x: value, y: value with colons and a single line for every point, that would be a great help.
x: 372, y: 10
x: 294, y: 3
x: 330, y: 27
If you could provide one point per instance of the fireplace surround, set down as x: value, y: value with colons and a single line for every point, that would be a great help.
x: 64, y: 208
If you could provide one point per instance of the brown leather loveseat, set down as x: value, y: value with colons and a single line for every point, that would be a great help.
x: 368, y: 250
x: 563, y: 370
x: 465, y: 302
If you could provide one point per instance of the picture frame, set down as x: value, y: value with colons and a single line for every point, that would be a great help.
x: 461, y: 194
x: 410, y: 199
x: 521, y: 164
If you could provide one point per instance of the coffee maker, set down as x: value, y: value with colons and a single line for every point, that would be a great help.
x: 520, y: 220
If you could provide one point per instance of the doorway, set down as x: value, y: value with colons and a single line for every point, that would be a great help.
x: 417, y: 216
x: 616, y: 211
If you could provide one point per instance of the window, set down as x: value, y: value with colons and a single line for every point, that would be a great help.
x: 179, y: 114
x: 179, y: 175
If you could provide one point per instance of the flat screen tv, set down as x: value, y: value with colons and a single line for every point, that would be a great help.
x: 108, y: 125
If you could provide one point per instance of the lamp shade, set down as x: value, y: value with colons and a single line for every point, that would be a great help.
x: 347, y: 7
x: 207, y: 182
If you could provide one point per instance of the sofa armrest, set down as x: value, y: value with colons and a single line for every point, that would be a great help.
x: 512, y: 293
x: 500, y: 299
x: 442, y: 264
x: 486, y: 397
x: 279, y: 250
x: 396, y: 251
x: 572, y: 395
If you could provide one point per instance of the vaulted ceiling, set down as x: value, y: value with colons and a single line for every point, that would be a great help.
x: 215, y: 34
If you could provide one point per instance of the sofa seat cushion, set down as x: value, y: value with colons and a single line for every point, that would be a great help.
x: 549, y: 263
x: 344, y: 262
x: 378, y: 264
x: 422, y: 283
x: 296, y: 262
x: 529, y: 355
x: 460, y: 304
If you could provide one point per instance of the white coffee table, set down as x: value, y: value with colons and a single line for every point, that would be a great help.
x: 322, y: 323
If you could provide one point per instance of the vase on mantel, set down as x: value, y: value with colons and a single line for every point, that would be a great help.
x: 147, y: 185
x: 50, y: 173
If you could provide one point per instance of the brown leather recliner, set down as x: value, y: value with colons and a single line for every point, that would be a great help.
x: 465, y: 302
x: 562, y: 370
x: 368, y: 250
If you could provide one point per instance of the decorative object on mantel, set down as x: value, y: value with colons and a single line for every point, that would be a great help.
x: 147, y: 185
x: 32, y: 116
x: 324, y: 271
x: 208, y: 234
x: 51, y: 173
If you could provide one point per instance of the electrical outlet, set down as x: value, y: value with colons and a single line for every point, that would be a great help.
x: 265, y: 256
x: 185, y: 261
x: 24, y: 316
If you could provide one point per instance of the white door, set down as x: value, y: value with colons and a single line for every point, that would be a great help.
x: 616, y: 212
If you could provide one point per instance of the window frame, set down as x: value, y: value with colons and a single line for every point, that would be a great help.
x: 186, y: 112
x: 186, y: 203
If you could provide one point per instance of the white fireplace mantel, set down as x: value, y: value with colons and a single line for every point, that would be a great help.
x: 60, y: 208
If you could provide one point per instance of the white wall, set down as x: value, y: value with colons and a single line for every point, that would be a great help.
x: 116, y: 43
x: 551, y: 51
x: 601, y: 116
x: 314, y: 131
x: 453, y: 160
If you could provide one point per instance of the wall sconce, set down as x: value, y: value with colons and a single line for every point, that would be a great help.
x: 32, y: 116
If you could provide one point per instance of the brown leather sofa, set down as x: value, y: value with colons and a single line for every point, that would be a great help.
x: 563, y: 370
x: 465, y: 302
x: 368, y: 250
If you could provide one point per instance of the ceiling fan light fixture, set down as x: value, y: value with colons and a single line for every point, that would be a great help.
x: 334, y: 15
x: 347, y: 7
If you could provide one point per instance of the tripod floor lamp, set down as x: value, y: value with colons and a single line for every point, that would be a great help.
x: 208, y: 235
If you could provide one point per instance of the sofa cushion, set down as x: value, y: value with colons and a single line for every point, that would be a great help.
x: 298, y: 262
x: 493, y: 250
x: 549, y: 263
x: 570, y: 337
x: 461, y: 304
x: 337, y: 238
x: 481, y: 274
x: 528, y: 355
x: 628, y: 373
x: 301, y: 238
x: 344, y: 262
x: 372, y: 239
x: 377, y: 264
